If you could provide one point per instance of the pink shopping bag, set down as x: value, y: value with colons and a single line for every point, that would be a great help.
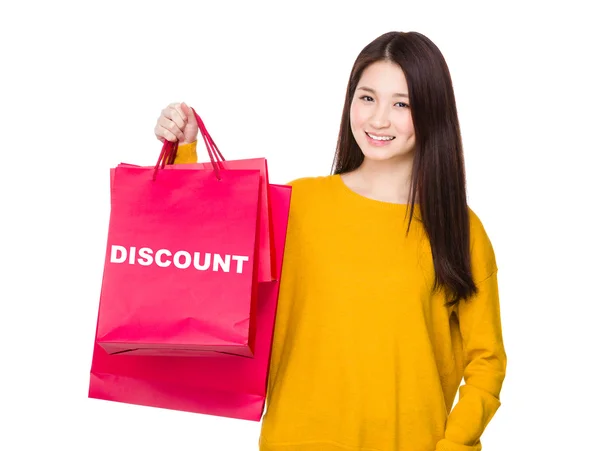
x: 216, y: 384
x: 265, y: 270
x: 180, y: 262
x: 266, y: 249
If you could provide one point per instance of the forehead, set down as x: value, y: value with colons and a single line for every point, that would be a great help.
x: 384, y: 77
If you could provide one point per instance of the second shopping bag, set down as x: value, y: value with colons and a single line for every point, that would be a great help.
x: 218, y: 384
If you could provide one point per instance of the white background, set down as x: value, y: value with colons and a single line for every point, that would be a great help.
x: 83, y: 83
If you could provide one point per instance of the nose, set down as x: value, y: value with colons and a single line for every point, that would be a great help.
x: 381, y: 118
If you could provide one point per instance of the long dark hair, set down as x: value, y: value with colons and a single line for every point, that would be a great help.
x: 438, y: 172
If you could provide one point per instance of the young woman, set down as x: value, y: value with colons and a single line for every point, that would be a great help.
x: 389, y: 293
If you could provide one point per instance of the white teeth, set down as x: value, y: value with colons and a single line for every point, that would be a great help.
x: 380, y: 138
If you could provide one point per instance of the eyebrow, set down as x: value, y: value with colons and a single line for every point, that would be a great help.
x: 398, y: 94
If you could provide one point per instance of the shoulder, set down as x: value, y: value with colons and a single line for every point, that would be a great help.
x: 310, y: 195
x: 476, y: 225
x: 311, y: 182
x: 310, y: 187
x: 482, y: 251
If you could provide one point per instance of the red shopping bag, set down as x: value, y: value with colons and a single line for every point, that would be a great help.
x: 220, y: 384
x: 180, y: 263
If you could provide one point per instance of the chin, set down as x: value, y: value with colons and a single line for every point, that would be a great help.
x: 384, y: 154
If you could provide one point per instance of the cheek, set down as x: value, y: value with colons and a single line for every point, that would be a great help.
x: 404, y: 124
x: 358, y: 117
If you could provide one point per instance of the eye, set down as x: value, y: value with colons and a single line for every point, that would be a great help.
x: 403, y: 105
x: 367, y: 98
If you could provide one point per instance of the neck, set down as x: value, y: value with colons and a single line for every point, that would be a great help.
x: 386, y: 180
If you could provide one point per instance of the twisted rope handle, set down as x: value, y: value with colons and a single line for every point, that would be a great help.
x: 169, y: 150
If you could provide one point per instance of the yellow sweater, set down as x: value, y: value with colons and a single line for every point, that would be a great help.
x: 365, y: 356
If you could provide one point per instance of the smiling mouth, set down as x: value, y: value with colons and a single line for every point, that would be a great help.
x: 380, y: 138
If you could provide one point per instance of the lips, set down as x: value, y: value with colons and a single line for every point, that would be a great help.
x: 382, y: 138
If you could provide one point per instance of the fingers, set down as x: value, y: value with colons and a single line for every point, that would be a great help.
x: 191, y: 118
x: 163, y: 133
x: 177, y: 115
x: 171, y: 124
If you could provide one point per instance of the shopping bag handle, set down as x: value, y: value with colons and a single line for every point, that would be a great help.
x: 169, y: 150
x: 213, y: 151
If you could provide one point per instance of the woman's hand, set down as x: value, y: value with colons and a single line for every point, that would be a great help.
x: 176, y: 123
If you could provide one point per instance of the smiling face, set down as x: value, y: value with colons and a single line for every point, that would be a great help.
x: 380, y: 116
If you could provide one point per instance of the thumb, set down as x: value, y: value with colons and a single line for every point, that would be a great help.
x: 191, y: 118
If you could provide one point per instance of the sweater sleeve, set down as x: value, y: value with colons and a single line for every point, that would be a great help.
x: 186, y: 153
x: 483, y: 352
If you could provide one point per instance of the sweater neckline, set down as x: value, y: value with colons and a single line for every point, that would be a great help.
x: 367, y: 200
